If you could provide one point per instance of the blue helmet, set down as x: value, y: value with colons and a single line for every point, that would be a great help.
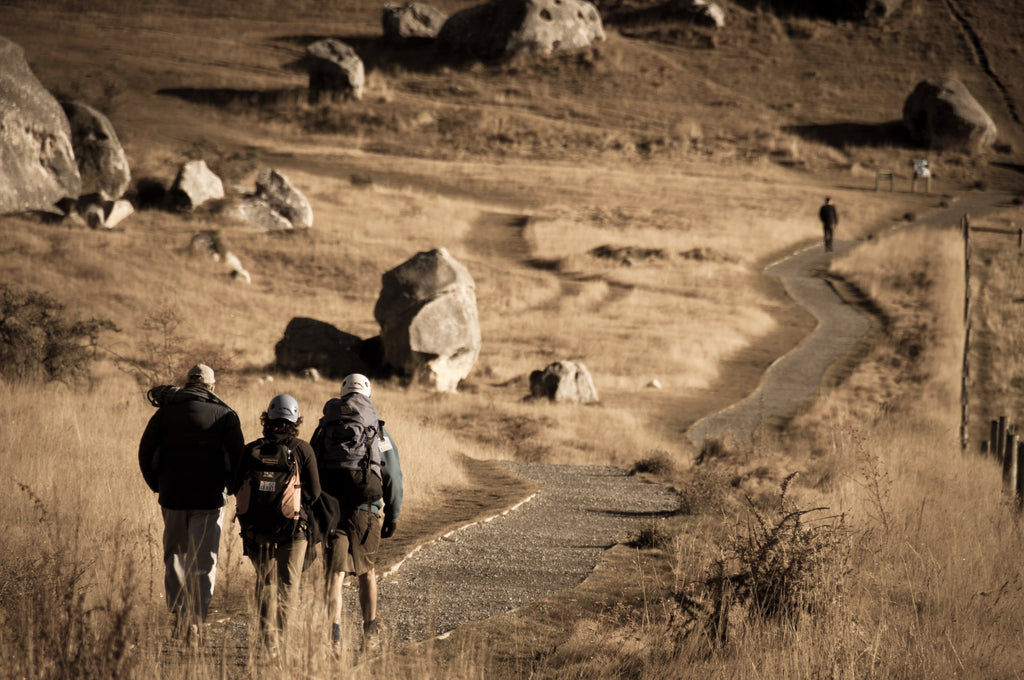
x: 283, y: 407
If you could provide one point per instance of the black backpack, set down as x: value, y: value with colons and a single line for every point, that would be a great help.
x: 270, y: 496
x: 347, y: 446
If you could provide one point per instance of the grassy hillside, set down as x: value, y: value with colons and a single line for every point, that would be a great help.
x: 711, y: 150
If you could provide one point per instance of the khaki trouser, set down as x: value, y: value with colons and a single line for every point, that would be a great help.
x: 278, y: 573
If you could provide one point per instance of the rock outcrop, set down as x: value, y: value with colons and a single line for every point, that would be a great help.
x: 335, y: 71
x: 194, y: 185
x: 506, y: 28
x: 942, y: 114
x: 700, y: 12
x: 102, y: 164
x: 430, y: 329
x: 411, y: 22
x: 37, y: 159
x: 276, y: 205
x: 309, y: 343
x: 563, y: 381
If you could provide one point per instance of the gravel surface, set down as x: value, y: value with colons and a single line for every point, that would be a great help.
x: 548, y: 543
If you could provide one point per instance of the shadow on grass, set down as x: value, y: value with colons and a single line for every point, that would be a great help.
x: 842, y: 135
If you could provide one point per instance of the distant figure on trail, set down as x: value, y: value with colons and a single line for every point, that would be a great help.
x: 921, y: 171
x: 276, y: 485
x: 358, y: 465
x: 829, y: 221
x: 187, y: 454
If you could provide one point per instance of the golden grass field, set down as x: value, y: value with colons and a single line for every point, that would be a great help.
x: 651, y: 141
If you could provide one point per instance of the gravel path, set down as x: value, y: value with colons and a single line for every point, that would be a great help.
x: 550, y: 542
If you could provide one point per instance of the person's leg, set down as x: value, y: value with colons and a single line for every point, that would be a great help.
x: 175, y: 555
x: 264, y: 563
x: 290, y: 557
x: 204, y: 533
x: 368, y: 595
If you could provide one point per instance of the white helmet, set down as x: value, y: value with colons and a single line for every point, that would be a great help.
x: 283, y: 407
x: 356, y: 382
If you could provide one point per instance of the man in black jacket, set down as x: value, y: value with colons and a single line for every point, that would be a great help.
x: 187, y: 455
x: 829, y: 221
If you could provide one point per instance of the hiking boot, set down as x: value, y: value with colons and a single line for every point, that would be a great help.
x: 371, y: 637
x: 336, y: 639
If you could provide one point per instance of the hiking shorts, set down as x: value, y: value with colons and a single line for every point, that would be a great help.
x: 352, y: 549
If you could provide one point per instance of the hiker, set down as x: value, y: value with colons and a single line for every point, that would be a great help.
x: 359, y: 466
x: 276, y: 485
x: 186, y: 455
x: 829, y: 221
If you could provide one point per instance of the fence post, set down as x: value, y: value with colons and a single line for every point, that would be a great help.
x: 993, y: 437
x: 1001, y: 439
x: 1010, y: 462
x: 1018, y: 482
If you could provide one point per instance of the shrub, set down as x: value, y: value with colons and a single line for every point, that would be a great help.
x: 37, y: 341
x: 654, y: 463
x: 780, y: 567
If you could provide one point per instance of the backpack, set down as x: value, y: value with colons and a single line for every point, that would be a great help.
x: 347, y: 446
x: 270, y: 496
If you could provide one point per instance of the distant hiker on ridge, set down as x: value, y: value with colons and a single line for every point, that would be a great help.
x: 358, y: 465
x: 187, y: 454
x: 829, y: 221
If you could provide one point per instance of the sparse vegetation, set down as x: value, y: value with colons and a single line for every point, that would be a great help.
x: 712, y: 149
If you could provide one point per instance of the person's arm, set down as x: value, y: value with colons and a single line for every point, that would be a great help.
x: 391, y: 467
x: 148, y: 447
x: 234, y: 445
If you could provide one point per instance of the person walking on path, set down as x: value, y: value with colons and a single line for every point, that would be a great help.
x: 187, y: 453
x: 359, y: 467
x: 276, y: 486
x: 829, y: 222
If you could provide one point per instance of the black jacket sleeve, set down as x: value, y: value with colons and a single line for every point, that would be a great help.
x: 149, y: 448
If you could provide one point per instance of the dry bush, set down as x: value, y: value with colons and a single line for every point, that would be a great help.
x: 774, y: 570
x: 39, y: 342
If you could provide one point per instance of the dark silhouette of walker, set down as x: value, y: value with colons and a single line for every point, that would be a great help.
x: 829, y: 220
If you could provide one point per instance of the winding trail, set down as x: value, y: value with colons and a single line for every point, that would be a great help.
x: 795, y: 377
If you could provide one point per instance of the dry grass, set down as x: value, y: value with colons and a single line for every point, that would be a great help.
x: 653, y: 141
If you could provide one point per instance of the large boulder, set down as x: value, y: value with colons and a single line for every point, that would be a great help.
x: 194, y: 185
x: 941, y: 114
x: 335, y: 71
x: 37, y: 159
x: 427, y: 313
x: 411, y: 21
x: 563, y: 381
x: 308, y: 343
x: 505, y: 28
x: 102, y: 164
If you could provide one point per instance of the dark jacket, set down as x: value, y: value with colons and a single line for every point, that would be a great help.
x: 308, y: 475
x: 392, y: 468
x: 828, y: 215
x: 189, y: 449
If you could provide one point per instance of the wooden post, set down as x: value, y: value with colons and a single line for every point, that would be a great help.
x: 1018, y: 486
x: 1020, y: 239
x: 966, y: 367
x: 1001, y: 439
x: 993, y: 437
x: 1010, y: 463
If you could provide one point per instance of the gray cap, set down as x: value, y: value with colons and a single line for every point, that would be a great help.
x: 201, y: 374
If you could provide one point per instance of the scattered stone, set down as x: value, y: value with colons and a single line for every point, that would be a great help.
x: 102, y: 164
x: 942, y: 114
x: 209, y: 242
x: 194, y: 185
x: 430, y: 329
x: 627, y: 255
x: 654, y: 384
x: 116, y: 212
x: 37, y: 159
x: 311, y: 374
x: 309, y: 343
x: 335, y: 71
x: 563, y: 381
x: 506, y: 28
x: 411, y: 22
x: 284, y: 199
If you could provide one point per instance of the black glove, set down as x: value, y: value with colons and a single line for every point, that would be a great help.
x: 387, y: 529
